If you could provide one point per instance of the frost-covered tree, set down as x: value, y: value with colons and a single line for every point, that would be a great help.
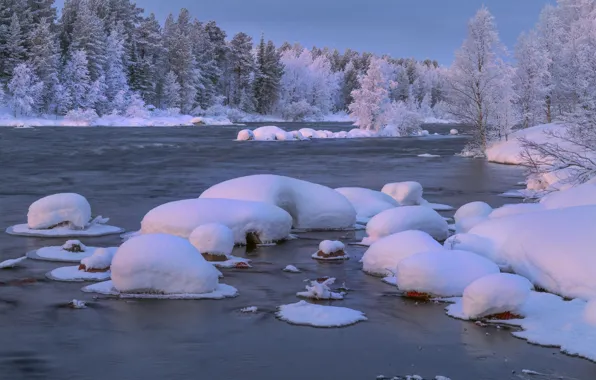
x: 148, y: 63
x: 474, y: 79
x: 115, y: 71
x: 76, y: 79
x: 171, y: 92
x: 241, y: 71
x: 44, y: 58
x: 62, y: 101
x: 14, y: 47
x: 372, y: 98
x: 349, y: 84
x: 88, y: 35
x: 42, y: 10
x: 24, y: 90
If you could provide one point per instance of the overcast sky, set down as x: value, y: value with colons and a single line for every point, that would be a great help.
x: 402, y: 28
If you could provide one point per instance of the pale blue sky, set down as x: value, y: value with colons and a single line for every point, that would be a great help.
x: 402, y: 28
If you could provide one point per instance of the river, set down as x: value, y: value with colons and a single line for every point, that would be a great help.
x: 124, y: 172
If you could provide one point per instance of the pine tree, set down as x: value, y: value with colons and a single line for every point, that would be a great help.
x: 241, y: 70
x: 217, y: 37
x: 44, y: 57
x: 205, y: 52
x: 115, y: 77
x: 24, y: 90
x: 349, y: 84
x: 14, y: 48
x: 148, y: 59
x: 171, y: 92
x: 42, y: 9
x: 89, y: 36
x: 61, y: 100
x: 267, y: 77
x: 76, y: 79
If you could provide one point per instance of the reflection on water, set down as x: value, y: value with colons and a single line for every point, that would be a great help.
x: 126, y: 172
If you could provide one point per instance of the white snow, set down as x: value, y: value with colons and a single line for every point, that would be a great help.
x: 269, y: 133
x: 73, y: 274
x: 463, y: 226
x: 76, y: 304
x: 304, y: 313
x: 509, y: 152
x: 495, y: 294
x: 57, y: 209
x: 70, y: 244
x: 405, y: 193
x: 291, y: 269
x: 331, y: 246
x: 245, y: 135
x: 311, y: 206
x: 552, y: 322
x: 390, y: 280
x: 321, y: 291
x: 107, y: 288
x: 590, y: 313
x: 58, y: 254
x: 442, y: 273
x: 476, y: 244
x: 366, y: 202
x: 514, y: 209
x: 94, y: 230
x: 428, y: 155
x: 581, y: 195
x: 164, y: 264
x: 552, y: 248
x: 382, y: 257
x: 406, y: 218
x: 12, y: 262
x: 213, y: 238
x: 454, y: 132
x: 472, y: 210
x: 101, y: 259
x: 181, y: 218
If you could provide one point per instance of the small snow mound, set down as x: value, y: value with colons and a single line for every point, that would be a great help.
x: 581, y: 195
x: 245, y: 135
x: 428, y: 155
x: 442, y: 273
x: 304, y: 313
x: 58, y: 209
x: 495, y: 294
x: 329, y: 246
x: 76, y: 304
x: 590, y: 313
x: 454, y: 132
x: 213, y: 239
x: 163, y: 264
x: 100, y: 260
x: 249, y: 309
x: 321, y: 291
x: 12, y: 263
x: 382, y: 257
x: 74, y: 246
x: 406, y: 218
x: 291, y: 269
x: 405, y: 193
x: 472, y: 210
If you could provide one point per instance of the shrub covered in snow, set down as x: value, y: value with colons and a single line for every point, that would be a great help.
x: 263, y: 221
x: 407, y: 218
x: 163, y: 264
x: 495, y: 294
x: 311, y: 206
x: 213, y: 239
x: 367, y: 203
x: 59, y: 209
x: 405, y: 193
x: 382, y: 257
x: 81, y: 116
x: 442, y: 273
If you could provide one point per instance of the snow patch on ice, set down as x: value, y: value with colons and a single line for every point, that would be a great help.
x: 7, y: 264
x: 304, y: 313
x: 73, y: 274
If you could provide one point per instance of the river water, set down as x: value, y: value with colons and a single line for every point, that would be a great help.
x: 125, y: 172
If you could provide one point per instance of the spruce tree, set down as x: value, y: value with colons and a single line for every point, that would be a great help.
x: 241, y: 70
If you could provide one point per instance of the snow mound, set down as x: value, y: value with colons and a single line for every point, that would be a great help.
x: 311, y: 206
x: 463, y: 226
x: 454, y: 132
x: 442, y: 273
x: 107, y: 288
x: 213, y: 238
x: 268, y: 222
x: 162, y: 264
x: 321, y: 291
x: 329, y: 246
x: 515, y: 209
x: 474, y: 243
x: 509, y: 152
x: 291, y: 269
x: 382, y: 257
x: 7, y: 264
x: 590, y: 312
x: 495, y: 294
x: 304, y: 313
x: 406, y: 218
x: 53, y: 210
x: 405, y: 193
x: 269, y: 133
x: 245, y: 135
x: 366, y: 202
x: 73, y: 274
x: 59, y: 254
x: 472, y: 210
x: 101, y: 259
x: 552, y: 248
x: 428, y: 155
x: 581, y: 195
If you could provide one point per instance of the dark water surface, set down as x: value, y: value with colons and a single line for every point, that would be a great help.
x: 124, y: 172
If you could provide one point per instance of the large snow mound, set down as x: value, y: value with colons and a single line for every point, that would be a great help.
x: 509, y: 151
x: 442, y: 273
x: 56, y: 209
x: 181, y: 218
x: 405, y: 193
x: 407, y: 218
x: 581, y: 195
x: 382, y: 257
x: 495, y: 294
x: 164, y: 264
x: 311, y: 206
x: 367, y: 203
x: 213, y: 238
x: 554, y: 249
x: 474, y: 243
x: 515, y: 209
x: 304, y: 313
x: 472, y: 210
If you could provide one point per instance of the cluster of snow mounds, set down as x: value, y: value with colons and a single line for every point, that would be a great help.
x: 495, y: 294
x: 551, y: 248
x: 267, y: 222
x: 59, y: 215
x: 442, y: 273
x: 382, y: 257
x: 406, y: 218
x: 304, y: 313
x: 273, y: 133
x: 312, y: 206
x: 321, y: 291
x: 159, y: 264
x: 471, y: 214
x: 366, y: 202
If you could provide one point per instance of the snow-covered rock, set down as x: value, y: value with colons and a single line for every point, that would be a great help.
x: 74, y: 246
x: 311, y: 206
x: 495, y: 294
x: 268, y: 133
x: 245, y: 135
x: 164, y: 264
x: 213, y: 238
x: 321, y: 291
x: 382, y: 257
x: 405, y: 193
x: 476, y: 244
x: 428, y: 155
x: 552, y: 248
x: 367, y: 203
x: 406, y: 218
x: 100, y: 260
x: 57, y: 209
x: 331, y: 250
x: 307, y: 132
x: 472, y: 210
x: 442, y: 273
x: 268, y: 222
x: 304, y: 313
